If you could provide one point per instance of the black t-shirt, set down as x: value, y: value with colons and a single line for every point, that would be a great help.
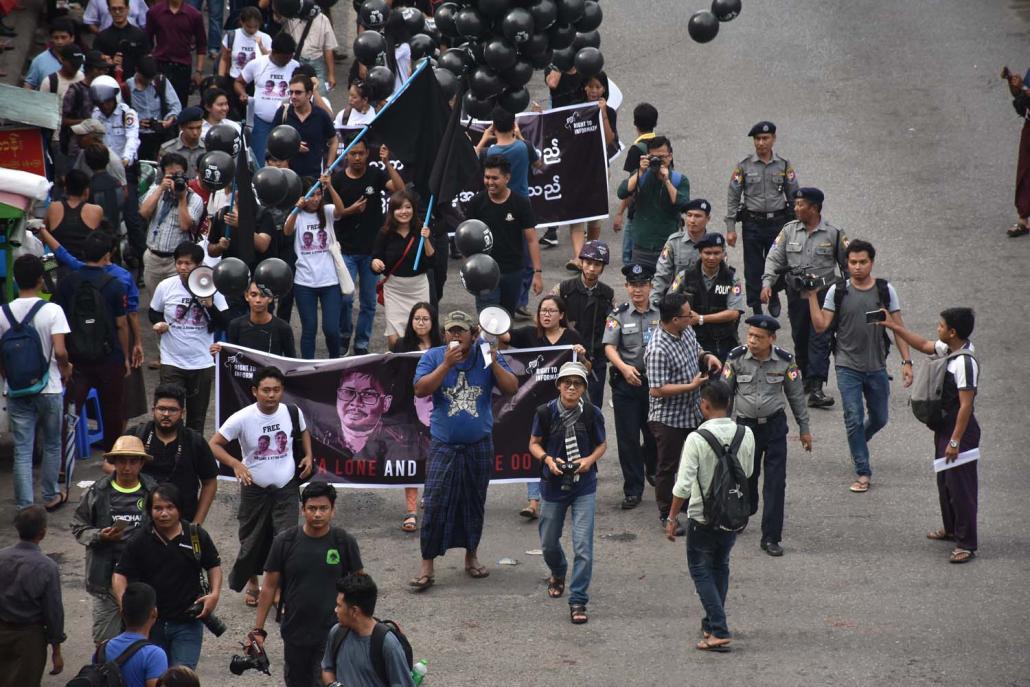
x: 109, y: 42
x: 265, y: 225
x: 185, y: 462
x: 309, y: 569
x: 275, y: 337
x: 506, y: 220
x: 568, y: 91
x: 390, y: 247
x: 316, y: 131
x: 357, y: 233
x: 526, y: 337
x: 169, y: 567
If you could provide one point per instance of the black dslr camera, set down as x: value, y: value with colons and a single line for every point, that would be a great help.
x: 254, y: 658
x: 802, y: 279
x: 568, y: 474
x: 654, y: 162
x: 179, y: 182
x: 211, y: 621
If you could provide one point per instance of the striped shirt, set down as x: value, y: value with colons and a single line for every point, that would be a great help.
x: 673, y: 360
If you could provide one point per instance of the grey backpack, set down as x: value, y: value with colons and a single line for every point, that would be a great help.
x: 928, y: 388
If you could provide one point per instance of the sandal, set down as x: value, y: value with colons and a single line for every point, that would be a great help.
x: 421, y: 583
x: 1018, y: 230
x: 477, y: 572
x: 714, y: 644
x: 573, y: 266
x: 410, y: 523
x: 56, y: 504
x: 940, y: 535
x: 578, y: 614
x: 859, y: 487
x: 961, y: 556
x: 555, y: 587
x: 251, y: 596
x: 530, y: 512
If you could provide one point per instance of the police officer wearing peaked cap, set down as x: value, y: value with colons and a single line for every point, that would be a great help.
x: 680, y: 250
x: 763, y: 376
x: 627, y: 332
x: 760, y: 196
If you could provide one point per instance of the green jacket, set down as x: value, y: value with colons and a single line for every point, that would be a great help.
x: 656, y: 216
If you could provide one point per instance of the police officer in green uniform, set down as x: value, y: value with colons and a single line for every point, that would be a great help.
x: 815, y: 248
x: 715, y: 294
x: 762, y: 377
x: 627, y: 332
x: 767, y: 183
x: 680, y: 251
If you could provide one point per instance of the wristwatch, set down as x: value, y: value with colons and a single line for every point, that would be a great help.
x: 700, y: 320
x: 906, y: 362
x: 953, y: 444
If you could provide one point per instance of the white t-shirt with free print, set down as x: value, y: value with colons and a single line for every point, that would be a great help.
x: 266, y: 443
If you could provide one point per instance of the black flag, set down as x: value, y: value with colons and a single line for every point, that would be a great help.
x: 246, y: 208
x: 456, y: 161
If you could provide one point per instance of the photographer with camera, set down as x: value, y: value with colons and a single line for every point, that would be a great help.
x: 171, y: 556
x: 659, y: 194
x: 568, y: 438
x: 173, y: 211
x: 849, y: 312
x: 807, y: 254
x: 157, y: 105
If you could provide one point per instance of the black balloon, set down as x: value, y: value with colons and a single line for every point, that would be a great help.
x: 703, y: 26
x: 231, y: 277
x: 415, y: 20
x: 448, y: 82
x: 480, y: 274
x: 421, y: 46
x: 373, y: 14
x: 215, y: 169
x: 472, y: 52
x: 514, y: 100
x: 536, y: 44
x: 288, y: 8
x: 223, y: 137
x: 517, y: 26
x: 589, y: 62
x: 564, y: 59
x: 499, y: 54
x: 469, y: 22
x: 479, y: 108
x: 434, y: 33
x: 453, y: 61
x: 725, y: 10
x: 590, y: 39
x: 443, y: 17
x: 592, y: 16
x: 270, y: 185
x: 294, y: 189
x: 380, y: 82
x: 485, y: 82
x: 284, y: 141
x: 570, y: 11
x: 369, y: 48
x: 473, y: 236
x: 275, y: 275
x: 543, y: 59
x: 561, y: 36
x: 545, y: 13
x: 493, y: 8
x: 519, y: 75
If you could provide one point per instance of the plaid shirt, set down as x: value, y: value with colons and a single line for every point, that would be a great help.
x: 673, y: 360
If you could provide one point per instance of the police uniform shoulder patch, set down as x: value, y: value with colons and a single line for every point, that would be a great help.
x: 738, y: 172
x: 622, y: 307
x: 736, y: 353
x: 785, y: 355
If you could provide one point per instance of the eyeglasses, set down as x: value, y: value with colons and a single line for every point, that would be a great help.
x: 165, y: 410
x: 298, y: 92
x: 368, y: 397
x: 574, y: 383
x: 549, y: 311
x: 421, y: 319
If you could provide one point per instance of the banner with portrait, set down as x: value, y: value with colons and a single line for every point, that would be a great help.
x: 368, y: 429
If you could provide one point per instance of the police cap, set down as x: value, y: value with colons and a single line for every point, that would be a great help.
x: 635, y: 272
x: 810, y: 194
x: 699, y: 204
x: 189, y: 114
x: 765, y: 322
x: 762, y: 128
x: 710, y: 240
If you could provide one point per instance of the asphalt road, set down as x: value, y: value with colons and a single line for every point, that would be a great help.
x: 896, y: 111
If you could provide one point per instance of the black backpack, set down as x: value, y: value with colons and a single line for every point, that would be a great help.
x: 106, y: 673
x: 883, y: 295
x: 105, y: 191
x: 727, y: 506
x: 382, y: 628
x: 91, y: 327
x: 21, y: 354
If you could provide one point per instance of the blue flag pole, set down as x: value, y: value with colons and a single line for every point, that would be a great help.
x: 422, y: 239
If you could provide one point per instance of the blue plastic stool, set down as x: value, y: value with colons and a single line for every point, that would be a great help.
x: 84, y: 436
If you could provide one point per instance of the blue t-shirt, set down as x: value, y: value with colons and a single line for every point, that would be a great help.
x: 43, y: 65
x: 589, y: 437
x: 146, y: 664
x: 462, y: 406
x: 520, y: 155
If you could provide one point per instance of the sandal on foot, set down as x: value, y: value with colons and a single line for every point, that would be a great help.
x: 251, y: 596
x: 578, y: 614
x: 961, y: 556
x: 421, y: 583
x: 940, y: 535
x: 530, y: 512
x: 714, y: 644
x: 555, y: 587
x: 476, y: 572
x: 859, y: 487
x: 57, y: 503
x: 410, y: 523
x: 1017, y: 231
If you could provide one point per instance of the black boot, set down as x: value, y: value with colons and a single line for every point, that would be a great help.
x: 817, y: 398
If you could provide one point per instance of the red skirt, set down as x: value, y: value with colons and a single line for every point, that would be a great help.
x: 1023, y: 173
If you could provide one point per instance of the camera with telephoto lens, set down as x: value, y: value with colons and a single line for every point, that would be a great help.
x: 568, y: 474
x: 254, y: 658
x: 654, y: 162
x: 211, y: 621
x: 802, y: 279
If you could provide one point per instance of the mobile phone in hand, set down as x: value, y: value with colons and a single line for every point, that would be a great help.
x: 1005, y: 73
x: 120, y: 525
x: 875, y: 316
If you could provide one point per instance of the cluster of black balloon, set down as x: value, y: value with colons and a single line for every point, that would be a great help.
x: 232, y: 277
x: 480, y: 273
x: 704, y: 25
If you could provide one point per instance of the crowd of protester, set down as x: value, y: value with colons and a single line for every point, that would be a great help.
x: 692, y: 399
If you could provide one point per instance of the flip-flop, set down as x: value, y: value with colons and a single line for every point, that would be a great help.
x: 961, y: 556
x: 477, y: 573
x: 421, y: 583
x: 410, y: 523
x: 940, y: 535
x: 56, y: 505
x: 251, y: 596
x: 1017, y: 231
x: 711, y: 644
x: 529, y: 513
x: 859, y: 487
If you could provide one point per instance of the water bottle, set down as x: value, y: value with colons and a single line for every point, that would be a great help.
x: 418, y: 672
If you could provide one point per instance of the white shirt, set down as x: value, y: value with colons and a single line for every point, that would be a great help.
x: 244, y: 48
x: 965, y: 370
x: 315, y: 267
x: 355, y: 118
x: 265, y: 452
x: 48, y: 321
x: 97, y: 14
x: 122, y: 130
x: 402, y: 53
x: 62, y: 88
x: 271, y: 84
x: 187, y: 342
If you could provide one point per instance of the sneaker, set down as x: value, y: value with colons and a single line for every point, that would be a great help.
x: 550, y: 238
x: 522, y: 313
x: 772, y: 548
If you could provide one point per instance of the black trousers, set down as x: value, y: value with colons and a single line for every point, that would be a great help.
x: 636, y: 461
x: 758, y: 235
x: 811, y: 348
x: 302, y: 664
x: 197, y: 384
x: 669, y: 441
x: 135, y: 226
x: 23, y: 653
x: 770, y: 449
x: 178, y: 75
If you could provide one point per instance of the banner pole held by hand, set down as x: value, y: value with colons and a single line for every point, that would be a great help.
x: 422, y: 239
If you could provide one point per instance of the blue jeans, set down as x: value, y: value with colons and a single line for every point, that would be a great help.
x: 307, y: 300
x: 181, y: 641
x: 505, y: 295
x: 552, y: 518
x: 259, y: 140
x: 27, y: 413
x: 365, y: 280
x: 876, y: 389
x: 708, y: 558
x: 533, y: 490
x: 322, y: 72
x: 627, y: 243
x: 215, y: 9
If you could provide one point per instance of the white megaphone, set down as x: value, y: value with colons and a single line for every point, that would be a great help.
x: 201, y: 282
x: 493, y: 322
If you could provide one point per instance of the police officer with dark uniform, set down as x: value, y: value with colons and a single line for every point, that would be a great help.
x: 816, y: 248
x: 715, y: 294
x: 762, y: 377
x: 767, y: 183
x: 627, y: 332
x: 587, y: 304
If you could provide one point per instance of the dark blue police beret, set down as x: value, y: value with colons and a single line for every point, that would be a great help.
x: 810, y: 194
x: 765, y: 322
x: 710, y: 240
x: 762, y: 128
x: 699, y: 204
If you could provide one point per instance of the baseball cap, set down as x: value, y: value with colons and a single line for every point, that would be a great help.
x: 88, y: 126
x: 458, y: 318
